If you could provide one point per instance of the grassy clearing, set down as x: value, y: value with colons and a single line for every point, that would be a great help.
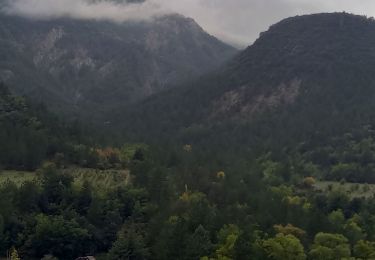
x: 101, y: 179
x: 353, y: 190
x: 18, y: 177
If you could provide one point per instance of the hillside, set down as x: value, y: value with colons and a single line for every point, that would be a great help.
x: 24, y: 137
x: 305, y: 75
x: 87, y: 67
x: 30, y: 135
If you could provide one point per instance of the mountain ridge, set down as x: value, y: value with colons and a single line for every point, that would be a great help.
x: 307, y: 70
x: 92, y: 65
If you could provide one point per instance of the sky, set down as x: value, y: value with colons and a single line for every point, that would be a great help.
x: 238, y: 22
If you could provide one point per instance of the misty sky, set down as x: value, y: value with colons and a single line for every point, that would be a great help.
x: 236, y: 21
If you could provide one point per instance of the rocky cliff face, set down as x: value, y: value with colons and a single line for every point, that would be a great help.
x: 84, y: 65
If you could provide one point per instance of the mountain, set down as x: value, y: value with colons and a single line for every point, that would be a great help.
x: 307, y: 76
x: 90, y: 66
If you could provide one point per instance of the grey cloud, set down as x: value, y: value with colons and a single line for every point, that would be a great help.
x: 241, y: 21
x: 84, y: 9
x: 236, y: 21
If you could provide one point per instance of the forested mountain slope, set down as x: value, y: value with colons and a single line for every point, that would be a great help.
x: 306, y: 75
x: 30, y: 135
x: 25, y: 140
x: 89, y: 66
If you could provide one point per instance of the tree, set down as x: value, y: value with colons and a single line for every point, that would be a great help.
x: 337, y: 220
x: 352, y: 229
x: 195, y: 208
x: 309, y: 182
x: 172, y: 240
x: 130, y: 245
x: 84, y: 198
x: 290, y: 230
x: 246, y: 246
x: 198, y: 244
x: 57, y: 236
x: 284, y: 247
x: 364, y: 249
x: 56, y: 186
x: 28, y: 197
x: 158, y: 186
x: 272, y: 173
x: 329, y: 246
x: 14, y: 254
x: 227, y: 239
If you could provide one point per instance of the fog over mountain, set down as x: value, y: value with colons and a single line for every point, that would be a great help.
x: 238, y: 22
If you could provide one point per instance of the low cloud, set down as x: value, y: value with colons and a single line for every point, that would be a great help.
x: 236, y: 21
x: 84, y: 9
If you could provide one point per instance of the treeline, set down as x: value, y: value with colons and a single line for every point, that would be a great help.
x: 52, y: 216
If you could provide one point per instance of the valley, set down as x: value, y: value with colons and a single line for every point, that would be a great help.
x: 155, y: 140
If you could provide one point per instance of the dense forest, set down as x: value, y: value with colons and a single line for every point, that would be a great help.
x: 184, y: 202
x: 191, y: 174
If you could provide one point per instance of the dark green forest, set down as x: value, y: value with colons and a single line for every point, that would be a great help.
x: 292, y: 177
x: 184, y: 201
